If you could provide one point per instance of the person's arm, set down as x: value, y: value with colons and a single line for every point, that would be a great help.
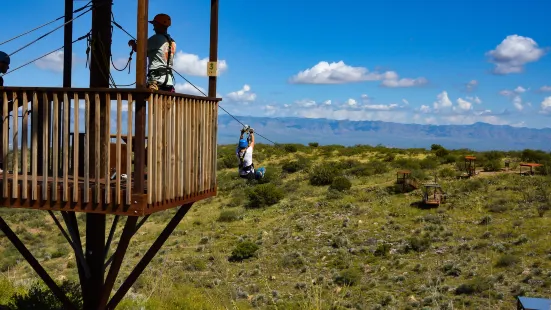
x: 251, y: 134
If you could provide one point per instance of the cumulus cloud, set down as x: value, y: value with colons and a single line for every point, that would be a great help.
x: 471, y: 85
x: 186, y: 88
x: 327, y: 102
x: 53, y: 62
x: 443, y: 101
x: 305, y: 103
x: 463, y: 105
x: 545, y: 88
x: 191, y: 64
x: 243, y: 95
x: 425, y: 109
x: 405, y: 101
x: 474, y: 99
x: 546, y: 105
x: 341, y: 73
x: 515, y: 96
x: 513, y: 53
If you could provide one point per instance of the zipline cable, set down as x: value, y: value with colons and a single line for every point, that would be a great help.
x: 44, y: 25
x: 30, y: 62
x: 221, y: 107
x: 48, y: 33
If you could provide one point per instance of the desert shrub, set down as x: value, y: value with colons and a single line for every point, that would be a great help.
x: 340, y: 184
x: 370, y: 168
x: 390, y: 157
x: 417, y: 244
x: 448, y: 159
x: 313, y: 144
x: 350, y: 276
x: 428, y: 163
x: 41, y: 297
x: 476, y: 285
x: 290, y: 148
x: 244, y: 250
x: 293, y: 260
x: 507, y: 260
x: 264, y: 195
x: 447, y: 173
x: 228, y: 216
x: 407, y: 163
x: 419, y: 175
x: 227, y: 161
x: 382, y: 249
x: 295, y: 165
x: 441, y: 152
x: 323, y: 174
x: 493, y: 165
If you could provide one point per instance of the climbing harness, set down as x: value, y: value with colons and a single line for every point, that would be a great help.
x: 167, y: 70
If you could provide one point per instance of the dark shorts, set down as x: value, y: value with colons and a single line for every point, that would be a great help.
x: 167, y: 88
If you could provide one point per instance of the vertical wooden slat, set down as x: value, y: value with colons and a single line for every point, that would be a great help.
x: 178, y: 153
x: 5, y: 142
x: 189, y: 150
x: 45, y: 145
x: 159, y: 146
x: 164, y: 147
x: 181, y: 146
x: 194, y: 147
x: 201, y: 144
x: 66, y: 124
x: 86, y: 160
x: 55, y: 147
x: 97, y: 148
x: 170, y: 146
x: 154, y: 136
x: 118, y: 157
x: 76, y: 136
x: 129, y: 151
x: 34, y: 147
x: 215, y: 150
x: 168, y: 125
x: 106, y: 148
x: 25, y: 148
x: 15, y: 142
x: 209, y: 145
x: 150, y: 146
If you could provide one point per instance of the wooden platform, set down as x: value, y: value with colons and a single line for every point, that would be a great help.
x: 91, y: 200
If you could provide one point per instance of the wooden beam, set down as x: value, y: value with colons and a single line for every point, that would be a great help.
x: 141, y: 53
x: 213, y: 54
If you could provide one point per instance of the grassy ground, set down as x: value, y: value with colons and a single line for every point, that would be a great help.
x: 326, y: 246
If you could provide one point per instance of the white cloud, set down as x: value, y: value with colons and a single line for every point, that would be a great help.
x: 351, y: 102
x: 190, y: 64
x: 186, y: 88
x: 341, y: 73
x: 242, y: 95
x: 425, y: 109
x: 474, y: 99
x: 327, y: 102
x: 305, y: 103
x: 392, y: 80
x: 464, y: 105
x: 545, y: 88
x: 53, y: 62
x: 381, y: 107
x: 443, y: 101
x: 513, y: 53
x: 405, y: 101
x: 546, y: 105
x: 472, y: 85
x: 515, y: 97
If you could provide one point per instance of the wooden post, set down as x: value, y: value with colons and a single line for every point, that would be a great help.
x: 140, y: 120
x: 213, y: 54
x: 99, y: 78
x: 67, y: 67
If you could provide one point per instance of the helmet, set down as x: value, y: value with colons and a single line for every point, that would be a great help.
x: 162, y: 20
x: 243, y: 143
x: 5, y: 58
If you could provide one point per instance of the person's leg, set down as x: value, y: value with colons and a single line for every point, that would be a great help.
x: 167, y: 88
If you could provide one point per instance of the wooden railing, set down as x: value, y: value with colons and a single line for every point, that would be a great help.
x: 58, y: 151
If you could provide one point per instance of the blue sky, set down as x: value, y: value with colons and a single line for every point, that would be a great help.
x: 430, y: 62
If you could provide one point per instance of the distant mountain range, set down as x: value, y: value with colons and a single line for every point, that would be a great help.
x: 478, y: 136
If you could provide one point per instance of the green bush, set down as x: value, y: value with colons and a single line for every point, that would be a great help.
x: 243, y: 250
x: 350, y: 276
x: 369, y: 169
x: 340, y: 184
x: 476, y: 285
x: 448, y: 159
x: 290, y: 148
x: 296, y: 165
x: 264, y: 195
x: 428, y: 163
x: 41, y: 297
x: 493, y: 165
x: 313, y: 144
x: 228, y: 216
x: 407, y: 163
x: 507, y: 260
x: 442, y: 152
x: 447, y: 173
x: 323, y: 174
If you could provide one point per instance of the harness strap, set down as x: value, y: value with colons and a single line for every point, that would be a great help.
x: 168, y: 69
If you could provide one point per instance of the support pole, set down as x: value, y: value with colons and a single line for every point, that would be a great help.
x: 140, y: 119
x: 67, y: 68
x: 99, y: 78
x: 35, y: 264
x: 148, y: 256
x: 213, y: 53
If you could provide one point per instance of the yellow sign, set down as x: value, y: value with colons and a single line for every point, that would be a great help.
x: 211, y: 68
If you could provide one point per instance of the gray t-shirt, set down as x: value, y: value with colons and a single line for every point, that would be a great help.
x: 157, y: 55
